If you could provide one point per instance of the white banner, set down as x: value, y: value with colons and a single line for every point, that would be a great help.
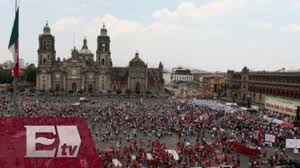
x: 270, y: 138
x: 298, y: 143
x: 292, y: 143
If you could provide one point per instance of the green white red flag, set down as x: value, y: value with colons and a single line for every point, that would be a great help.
x: 14, y: 44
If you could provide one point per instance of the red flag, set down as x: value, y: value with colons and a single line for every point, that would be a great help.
x: 259, y: 137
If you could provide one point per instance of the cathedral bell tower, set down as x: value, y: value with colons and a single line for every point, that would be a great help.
x: 46, y: 51
x: 103, y: 49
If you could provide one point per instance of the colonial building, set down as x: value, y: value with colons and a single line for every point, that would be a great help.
x: 212, y: 82
x: 255, y: 86
x: 82, y: 73
x: 181, y: 75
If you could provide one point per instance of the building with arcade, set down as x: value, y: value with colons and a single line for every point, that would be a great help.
x: 256, y: 86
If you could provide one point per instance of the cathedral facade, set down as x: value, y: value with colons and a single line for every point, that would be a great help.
x: 81, y: 72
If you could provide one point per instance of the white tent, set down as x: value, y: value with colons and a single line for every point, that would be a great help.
x: 117, y: 163
x: 149, y: 156
x: 174, y: 154
x: 228, y: 104
x: 82, y: 99
x: 277, y: 121
x: 76, y: 104
x: 244, y: 108
x: 255, y: 107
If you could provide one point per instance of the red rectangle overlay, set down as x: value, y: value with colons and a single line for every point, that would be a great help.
x: 47, y: 143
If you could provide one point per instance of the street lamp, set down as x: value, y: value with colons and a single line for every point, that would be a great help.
x: 233, y: 96
x: 248, y: 101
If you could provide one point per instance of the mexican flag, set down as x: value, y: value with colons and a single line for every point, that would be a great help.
x: 14, y: 44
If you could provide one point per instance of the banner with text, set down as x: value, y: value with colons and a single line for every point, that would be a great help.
x: 282, y: 105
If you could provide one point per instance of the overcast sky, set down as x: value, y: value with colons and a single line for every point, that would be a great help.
x: 205, y: 34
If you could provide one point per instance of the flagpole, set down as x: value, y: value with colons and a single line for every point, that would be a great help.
x: 15, y: 78
x: 15, y: 97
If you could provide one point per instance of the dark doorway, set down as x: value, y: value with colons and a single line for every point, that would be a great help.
x: 137, y: 88
x: 57, y: 87
x: 74, y: 87
x: 90, y: 88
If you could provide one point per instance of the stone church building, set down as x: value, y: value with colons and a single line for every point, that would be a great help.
x: 81, y: 72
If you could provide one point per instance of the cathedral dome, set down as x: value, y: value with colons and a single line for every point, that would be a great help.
x: 136, y: 61
x: 85, y: 50
x: 47, y: 29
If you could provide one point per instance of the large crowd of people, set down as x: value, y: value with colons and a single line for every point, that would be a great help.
x: 168, y: 132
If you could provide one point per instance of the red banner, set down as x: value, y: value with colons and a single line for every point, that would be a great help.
x: 245, y: 149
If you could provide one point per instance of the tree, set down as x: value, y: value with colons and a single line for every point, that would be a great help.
x: 10, y: 89
x: 5, y: 76
x: 118, y: 91
x: 128, y: 91
x: 30, y: 73
x: 148, y: 92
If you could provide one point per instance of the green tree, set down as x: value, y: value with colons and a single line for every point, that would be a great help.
x: 5, y: 76
x: 118, y: 91
x: 30, y: 73
x: 128, y: 91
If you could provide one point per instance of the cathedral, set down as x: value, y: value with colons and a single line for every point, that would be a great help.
x: 81, y: 73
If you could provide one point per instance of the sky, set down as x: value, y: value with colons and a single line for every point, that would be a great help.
x: 212, y: 35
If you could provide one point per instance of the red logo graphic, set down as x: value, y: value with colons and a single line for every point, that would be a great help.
x: 47, y: 142
x: 67, y: 135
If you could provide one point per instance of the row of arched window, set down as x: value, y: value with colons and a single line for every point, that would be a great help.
x: 291, y: 92
x: 275, y: 79
x: 74, y: 87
